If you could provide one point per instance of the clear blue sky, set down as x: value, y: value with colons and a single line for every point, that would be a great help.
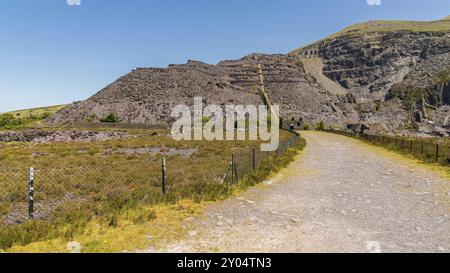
x: 52, y: 53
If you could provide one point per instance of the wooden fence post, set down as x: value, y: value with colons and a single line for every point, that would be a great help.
x: 31, y: 193
x: 163, y: 176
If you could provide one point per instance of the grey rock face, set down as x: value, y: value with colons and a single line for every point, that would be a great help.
x: 368, y: 78
x: 40, y: 136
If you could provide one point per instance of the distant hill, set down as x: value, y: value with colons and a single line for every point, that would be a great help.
x: 25, y: 113
x: 27, y: 118
x: 389, y: 75
x: 395, y: 26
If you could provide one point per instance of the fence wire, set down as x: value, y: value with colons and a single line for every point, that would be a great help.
x: 99, y: 189
x: 244, y: 164
x: 428, y: 149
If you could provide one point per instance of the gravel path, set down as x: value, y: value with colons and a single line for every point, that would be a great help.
x: 340, y: 195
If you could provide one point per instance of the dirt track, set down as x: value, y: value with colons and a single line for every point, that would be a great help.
x: 340, y: 195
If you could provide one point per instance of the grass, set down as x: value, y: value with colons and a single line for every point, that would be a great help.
x: 128, y: 234
x: 443, y: 76
x: 382, y: 26
x: 134, y: 231
x: 390, y: 26
x: 409, y: 96
x: 113, y: 188
x: 424, y: 149
x: 21, y: 119
x: 37, y: 111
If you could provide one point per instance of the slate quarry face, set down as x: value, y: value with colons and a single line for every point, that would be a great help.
x: 350, y: 79
x: 147, y: 95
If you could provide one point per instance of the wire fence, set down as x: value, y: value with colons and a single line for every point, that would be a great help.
x: 244, y: 164
x: 43, y: 193
x: 428, y: 149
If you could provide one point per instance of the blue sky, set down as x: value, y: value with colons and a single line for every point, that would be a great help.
x: 52, y: 53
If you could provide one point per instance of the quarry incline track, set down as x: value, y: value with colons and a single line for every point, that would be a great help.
x: 340, y: 195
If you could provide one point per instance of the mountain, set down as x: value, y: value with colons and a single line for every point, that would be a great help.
x: 392, y: 76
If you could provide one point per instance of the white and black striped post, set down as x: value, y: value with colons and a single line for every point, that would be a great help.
x: 163, y: 176
x: 31, y: 193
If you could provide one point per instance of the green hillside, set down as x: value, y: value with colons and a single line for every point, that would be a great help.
x: 378, y: 26
x: 37, y: 111
x: 20, y: 119
x: 388, y: 26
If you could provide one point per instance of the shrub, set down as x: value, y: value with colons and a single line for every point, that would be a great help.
x: 8, y: 120
x: 320, y: 126
x: 306, y: 127
x: 91, y: 118
x: 45, y: 115
x: 205, y: 119
x: 111, y: 118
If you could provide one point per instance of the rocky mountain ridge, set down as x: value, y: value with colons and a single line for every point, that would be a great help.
x: 390, y: 76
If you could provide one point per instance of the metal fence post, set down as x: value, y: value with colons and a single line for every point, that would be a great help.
x: 233, y: 177
x: 437, y: 152
x: 254, y: 159
x: 236, y: 178
x: 31, y: 193
x: 163, y: 176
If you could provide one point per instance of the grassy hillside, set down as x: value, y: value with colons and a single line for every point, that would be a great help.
x: 388, y: 26
x: 442, y: 25
x: 20, y: 119
x: 26, y: 113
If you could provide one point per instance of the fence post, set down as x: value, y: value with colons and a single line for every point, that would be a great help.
x: 235, y: 175
x: 233, y: 178
x: 421, y: 149
x: 163, y: 176
x: 31, y: 193
x: 411, y: 146
x: 437, y: 152
x: 254, y: 159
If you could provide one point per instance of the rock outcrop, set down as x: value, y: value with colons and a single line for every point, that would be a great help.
x: 391, y: 76
x: 42, y: 136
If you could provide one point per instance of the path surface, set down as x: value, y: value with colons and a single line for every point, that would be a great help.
x: 340, y: 195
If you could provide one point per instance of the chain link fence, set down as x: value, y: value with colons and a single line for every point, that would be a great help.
x: 428, y: 149
x: 244, y: 164
x: 44, y: 194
